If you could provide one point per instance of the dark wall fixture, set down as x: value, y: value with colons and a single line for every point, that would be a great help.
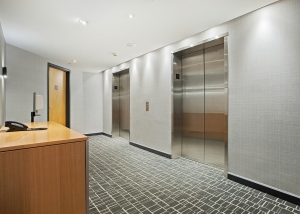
x: 4, y: 72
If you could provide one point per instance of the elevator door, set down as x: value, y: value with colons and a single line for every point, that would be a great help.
x: 215, y: 101
x: 204, y: 119
x: 115, y: 105
x: 193, y: 106
x: 124, y: 105
x: 121, y: 105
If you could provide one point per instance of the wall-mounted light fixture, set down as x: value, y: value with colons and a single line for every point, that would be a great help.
x: 4, y: 72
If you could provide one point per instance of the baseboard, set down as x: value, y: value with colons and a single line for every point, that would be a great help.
x: 107, y: 135
x: 93, y: 134
x: 274, y: 192
x: 98, y: 133
x: 151, y: 150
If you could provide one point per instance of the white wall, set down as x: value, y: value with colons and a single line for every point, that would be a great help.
x: 77, y: 105
x: 92, y: 99
x: 264, y: 105
x: 27, y: 73
x: 2, y: 80
x: 107, y: 102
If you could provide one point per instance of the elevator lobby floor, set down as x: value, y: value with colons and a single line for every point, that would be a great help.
x: 126, y: 179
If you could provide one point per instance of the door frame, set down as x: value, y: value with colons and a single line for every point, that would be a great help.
x: 68, y: 71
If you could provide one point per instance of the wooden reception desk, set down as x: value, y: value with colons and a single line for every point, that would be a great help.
x: 43, y: 171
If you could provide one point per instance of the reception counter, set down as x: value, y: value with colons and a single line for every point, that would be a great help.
x: 43, y: 171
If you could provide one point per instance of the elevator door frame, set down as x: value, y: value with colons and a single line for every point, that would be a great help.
x: 177, y: 95
x: 115, y: 128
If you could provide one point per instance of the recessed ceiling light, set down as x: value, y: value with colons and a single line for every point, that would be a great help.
x: 216, y: 37
x: 74, y: 60
x: 191, y: 45
x: 114, y: 54
x: 83, y: 22
x: 131, y: 45
x: 131, y: 16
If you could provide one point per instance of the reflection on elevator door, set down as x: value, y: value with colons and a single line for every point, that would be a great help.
x: 214, y: 106
x: 121, y: 105
x: 193, y: 106
x: 200, y: 99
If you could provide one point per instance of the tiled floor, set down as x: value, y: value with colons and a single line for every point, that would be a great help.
x: 126, y: 179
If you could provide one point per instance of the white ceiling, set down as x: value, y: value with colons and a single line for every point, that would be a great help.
x: 51, y: 28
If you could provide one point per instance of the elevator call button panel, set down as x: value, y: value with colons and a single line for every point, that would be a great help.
x: 177, y: 76
x: 147, y: 106
x: 115, y: 87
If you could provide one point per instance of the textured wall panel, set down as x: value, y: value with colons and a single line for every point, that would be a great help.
x: 107, y: 102
x: 27, y: 73
x: 77, y: 106
x: 92, y: 99
x: 264, y: 104
x: 2, y: 79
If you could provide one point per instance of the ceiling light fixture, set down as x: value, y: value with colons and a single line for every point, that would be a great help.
x: 83, y: 22
x: 191, y: 45
x: 131, y: 45
x: 74, y: 60
x: 131, y: 16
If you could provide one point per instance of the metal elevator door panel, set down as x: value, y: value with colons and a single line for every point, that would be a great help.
x: 193, y: 106
x: 115, y: 104
x: 124, y: 104
x: 215, y: 101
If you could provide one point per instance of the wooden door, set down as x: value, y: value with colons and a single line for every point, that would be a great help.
x: 57, y: 96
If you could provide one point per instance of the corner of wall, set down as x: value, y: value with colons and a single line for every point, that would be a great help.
x: 2, y: 79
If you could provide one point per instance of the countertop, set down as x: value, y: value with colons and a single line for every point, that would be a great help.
x: 55, y: 134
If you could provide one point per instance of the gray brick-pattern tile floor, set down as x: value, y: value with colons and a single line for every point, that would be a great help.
x: 126, y: 179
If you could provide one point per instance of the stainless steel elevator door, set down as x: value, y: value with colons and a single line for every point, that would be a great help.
x: 177, y: 104
x: 215, y: 101
x: 115, y: 105
x: 200, y: 98
x: 193, y: 106
x: 124, y: 111
x: 121, y: 104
